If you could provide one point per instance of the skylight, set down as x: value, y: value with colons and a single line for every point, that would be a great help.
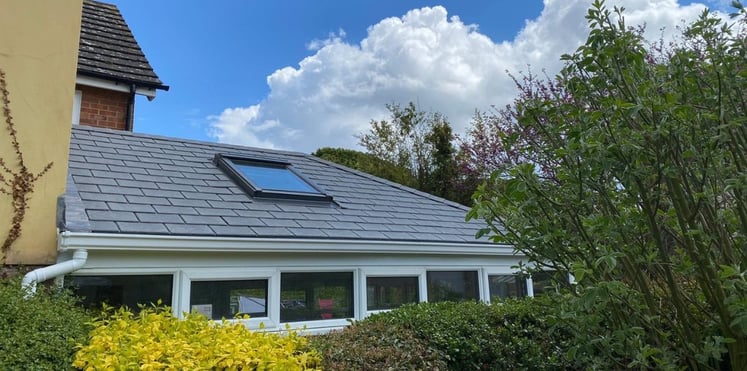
x: 267, y: 178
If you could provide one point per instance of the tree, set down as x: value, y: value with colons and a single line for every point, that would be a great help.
x: 420, y: 142
x: 628, y: 170
x: 366, y: 163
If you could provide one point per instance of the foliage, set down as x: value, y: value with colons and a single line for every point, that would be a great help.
x: 369, y: 345
x: 367, y: 163
x: 421, y: 143
x: 155, y: 340
x: 17, y: 184
x: 515, y: 334
x: 39, y: 332
x: 628, y: 169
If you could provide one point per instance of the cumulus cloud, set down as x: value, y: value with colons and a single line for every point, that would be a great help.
x: 425, y: 56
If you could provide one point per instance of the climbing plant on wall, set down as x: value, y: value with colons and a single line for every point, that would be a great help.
x: 18, y: 183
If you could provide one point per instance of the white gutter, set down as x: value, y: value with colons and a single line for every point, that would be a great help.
x: 42, y: 274
x: 128, y: 242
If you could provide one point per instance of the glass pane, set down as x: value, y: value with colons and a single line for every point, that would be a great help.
x: 227, y: 299
x: 274, y: 178
x: 452, y: 286
x: 118, y: 291
x: 507, y: 286
x: 545, y: 281
x: 315, y: 296
x: 391, y: 292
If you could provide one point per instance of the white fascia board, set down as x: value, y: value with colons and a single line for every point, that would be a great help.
x: 136, y: 242
x: 113, y: 85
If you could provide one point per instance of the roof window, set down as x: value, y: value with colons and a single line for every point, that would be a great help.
x: 270, y: 179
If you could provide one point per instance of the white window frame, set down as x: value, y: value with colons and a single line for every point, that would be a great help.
x: 77, y: 103
x: 321, y: 325
x: 482, y: 283
x: 415, y: 271
x: 235, y: 274
x: 503, y: 271
x: 175, y: 283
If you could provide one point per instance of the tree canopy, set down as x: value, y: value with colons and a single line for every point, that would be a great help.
x: 628, y: 170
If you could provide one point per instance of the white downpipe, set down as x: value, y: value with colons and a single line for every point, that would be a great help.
x: 42, y: 274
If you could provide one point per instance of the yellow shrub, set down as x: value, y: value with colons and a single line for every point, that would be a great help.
x: 156, y: 340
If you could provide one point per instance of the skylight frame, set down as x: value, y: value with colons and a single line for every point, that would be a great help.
x: 228, y: 163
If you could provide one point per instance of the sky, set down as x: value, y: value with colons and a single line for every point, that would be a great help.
x: 300, y: 75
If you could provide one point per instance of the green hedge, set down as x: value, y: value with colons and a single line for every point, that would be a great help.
x: 39, y: 333
x: 369, y: 345
x: 515, y: 334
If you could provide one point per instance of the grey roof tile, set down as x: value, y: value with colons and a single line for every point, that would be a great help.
x: 230, y: 230
x: 102, y: 226
x: 147, y: 200
x: 188, y: 202
x: 176, y: 187
x: 95, y: 205
x: 189, y: 229
x: 88, y: 188
x: 126, y: 216
x: 197, y: 198
x: 340, y: 233
x: 93, y: 180
x: 121, y: 190
x: 280, y: 223
x: 159, y: 218
x: 212, y: 211
x: 243, y: 220
x: 130, y: 207
x: 227, y: 205
x: 203, y: 219
x: 313, y: 224
x: 162, y: 193
x: 306, y: 232
x: 151, y: 228
x: 252, y: 213
x: 271, y: 231
x: 136, y: 184
x: 95, y: 196
x: 184, y: 210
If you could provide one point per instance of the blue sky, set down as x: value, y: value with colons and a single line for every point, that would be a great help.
x: 301, y: 75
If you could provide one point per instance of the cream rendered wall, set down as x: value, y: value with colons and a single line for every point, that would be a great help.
x: 38, y: 52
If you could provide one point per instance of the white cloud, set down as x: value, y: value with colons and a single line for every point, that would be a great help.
x: 426, y: 57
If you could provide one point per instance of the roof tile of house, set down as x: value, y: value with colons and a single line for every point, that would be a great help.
x: 108, y: 50
x: 171, y: 186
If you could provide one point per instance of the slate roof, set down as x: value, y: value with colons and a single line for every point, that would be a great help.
x: 108, y: 50
x: 145, y: 184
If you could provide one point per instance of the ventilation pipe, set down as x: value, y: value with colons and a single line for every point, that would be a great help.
x: 42, y: 274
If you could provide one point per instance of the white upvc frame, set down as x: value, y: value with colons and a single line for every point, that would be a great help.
x: 481, y: 283
x: 113, y: 85
x: 175, y: 283
x: 413, y: 271
x: 502, y: 271
x: 321, y: 325
x: 230, y: 274
x: 77, y: 104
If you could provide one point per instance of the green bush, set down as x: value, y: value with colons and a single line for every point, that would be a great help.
x: 515, y: 334
x: 154, y: 339
x: 39, y: 333
x: 373, y: 345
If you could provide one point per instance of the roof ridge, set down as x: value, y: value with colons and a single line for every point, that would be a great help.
x: 391, y: 184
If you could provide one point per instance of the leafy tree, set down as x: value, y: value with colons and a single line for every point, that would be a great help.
x: 367, y: 163
x: 420, y: 142
x: 628, y: 169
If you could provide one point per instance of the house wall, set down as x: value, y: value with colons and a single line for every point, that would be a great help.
x: 38, y: 52
x: 103, y: 108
